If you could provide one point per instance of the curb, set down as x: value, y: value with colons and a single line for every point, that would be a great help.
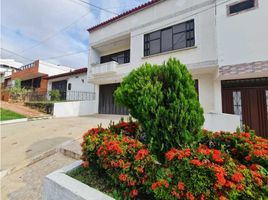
x: 14, y: 121
x: 61, y: 148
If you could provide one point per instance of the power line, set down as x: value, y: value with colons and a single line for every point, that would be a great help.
x: 53, y: 35
x: 12, y: 52
x: 100, y: 8
x: 67, y: 54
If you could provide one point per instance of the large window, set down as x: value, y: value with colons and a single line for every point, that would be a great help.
x: 120, y: 57
x: 241, y: 6
x: 175, y: 37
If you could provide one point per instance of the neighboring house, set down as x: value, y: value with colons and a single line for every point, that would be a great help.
x: 72, y: 85
x: 223, y: 43
x: 7, y: 66
x: 34, y: 75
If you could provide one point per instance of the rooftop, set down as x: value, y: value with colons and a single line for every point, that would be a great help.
x: 74, y: 72
x: 125, y: 14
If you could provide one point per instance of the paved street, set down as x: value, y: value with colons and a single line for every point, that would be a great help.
x: 23, y: 141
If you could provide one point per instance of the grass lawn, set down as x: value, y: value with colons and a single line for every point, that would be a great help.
x: 9, y: 115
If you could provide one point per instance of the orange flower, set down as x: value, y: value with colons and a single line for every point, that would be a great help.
x: 171, y: 154
x: 187, y: 152
x: 216, y: 156
x: 220, y: 178
x: 180, y: 154
x: 122, y: 177
x: 189, y: 196
x: 141, y: 154
x: 237, y: 177
x: 134, y: 193
x: 196, y: 162
x: 223, y: 198
x: 156, y: 185
x: 181, y: 186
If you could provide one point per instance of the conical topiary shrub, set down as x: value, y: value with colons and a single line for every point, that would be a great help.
x: 164, y: 101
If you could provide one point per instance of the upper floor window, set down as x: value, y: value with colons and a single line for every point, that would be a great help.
x: 175, y: 37
x: 120, y: 57
x: 241, y: 6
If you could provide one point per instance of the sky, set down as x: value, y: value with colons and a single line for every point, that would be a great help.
x: 53, y: 30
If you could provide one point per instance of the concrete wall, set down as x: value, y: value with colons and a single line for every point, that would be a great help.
x: 242, y: 38
x: 75, y: 108
x: 221, y: 122
x: 58, y: 185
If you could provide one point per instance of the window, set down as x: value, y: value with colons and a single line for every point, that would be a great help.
x: 37, y: 82
x: 241, y: 6
x: 175, y: 37
x: 120, y: 57
x: 69, y: 86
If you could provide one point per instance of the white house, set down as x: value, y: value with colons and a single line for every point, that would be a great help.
x: 7, y: 66
x: 220, y: 41
x: 72, y: 85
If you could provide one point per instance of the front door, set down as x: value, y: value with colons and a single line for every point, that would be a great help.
x: 61, y: 86
x: 249, y: 99
x: 107, y: 104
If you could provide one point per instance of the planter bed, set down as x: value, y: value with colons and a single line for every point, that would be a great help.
x: 59, y: 185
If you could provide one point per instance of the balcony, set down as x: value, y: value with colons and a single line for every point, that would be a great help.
x: 104, y: 68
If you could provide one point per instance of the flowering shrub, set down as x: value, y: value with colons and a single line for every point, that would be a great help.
x: 245, y: 147
x: 206, y: 173
x: 219, y: 168
x: 125, y: 160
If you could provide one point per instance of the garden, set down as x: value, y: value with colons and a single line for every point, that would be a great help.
x: 164, y: 154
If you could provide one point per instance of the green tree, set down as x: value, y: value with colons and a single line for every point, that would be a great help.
x: 164, y: 101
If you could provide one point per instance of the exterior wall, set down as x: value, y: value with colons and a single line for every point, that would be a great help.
x: 75, y: 108
x: 51, y: 69
x: 26, y: 72
x: 79, y: 83
x: 242, y: 38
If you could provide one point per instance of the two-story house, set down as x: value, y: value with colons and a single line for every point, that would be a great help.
x: 219, y: 40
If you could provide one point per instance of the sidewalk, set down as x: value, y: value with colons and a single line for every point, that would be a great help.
x: 21, y: 109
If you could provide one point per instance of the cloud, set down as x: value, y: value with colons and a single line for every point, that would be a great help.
x: 27, y: 22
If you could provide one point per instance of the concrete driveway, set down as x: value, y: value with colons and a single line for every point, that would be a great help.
x: 23, y: 141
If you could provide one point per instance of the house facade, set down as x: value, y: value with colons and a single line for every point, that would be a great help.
x: 7, y: 66
x: 34, y: 75
x: 72, y: 85
x: 216, y: 39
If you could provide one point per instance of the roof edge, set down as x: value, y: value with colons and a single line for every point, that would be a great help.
x: 77, y: 71
x: 124, y: 14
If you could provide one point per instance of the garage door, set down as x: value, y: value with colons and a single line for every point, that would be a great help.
x: 249, y: 99
x: 107, y: 104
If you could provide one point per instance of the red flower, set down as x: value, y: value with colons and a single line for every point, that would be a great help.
x: 239, y: 187
x: 134, y: 193
x: 171, y: 154
x: 141, y: 154
x: 181, y: 186
x: 187, y: 152
x: 189, y: 196
x: 85, y: 164
x: 229, y: 184
x: 140, y: 169
x: 196, y: 162
x: 216, y: 156
x: 221, y: 179
x: 254, y: 167
x: 165, y: 183
x: 223, y: 198
x: 248, y: 158
x: 156, y: 185
x: 180, y: 154
x: 122, y: 177
x: 237, y: 177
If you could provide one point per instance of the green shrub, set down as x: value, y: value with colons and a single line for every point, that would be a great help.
x: 164, y: 101
x: 45, y: 107
x: 55, y: 95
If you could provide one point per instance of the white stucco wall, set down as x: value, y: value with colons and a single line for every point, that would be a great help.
x: 75, y: 108
x: 79, y: 83
x: 51, y: 69
x: 242, y: 38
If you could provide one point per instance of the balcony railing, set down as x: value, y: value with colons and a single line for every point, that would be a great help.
x: 104, y: 68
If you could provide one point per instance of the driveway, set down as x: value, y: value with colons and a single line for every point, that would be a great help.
x: 23, y: 141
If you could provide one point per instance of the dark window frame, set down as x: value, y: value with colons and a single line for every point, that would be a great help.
x: 228, y: 7
x: 189, y: 39
x: 122, y: 54
x: 69, y: 86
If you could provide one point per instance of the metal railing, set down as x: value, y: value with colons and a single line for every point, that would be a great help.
x: 64, y: 96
